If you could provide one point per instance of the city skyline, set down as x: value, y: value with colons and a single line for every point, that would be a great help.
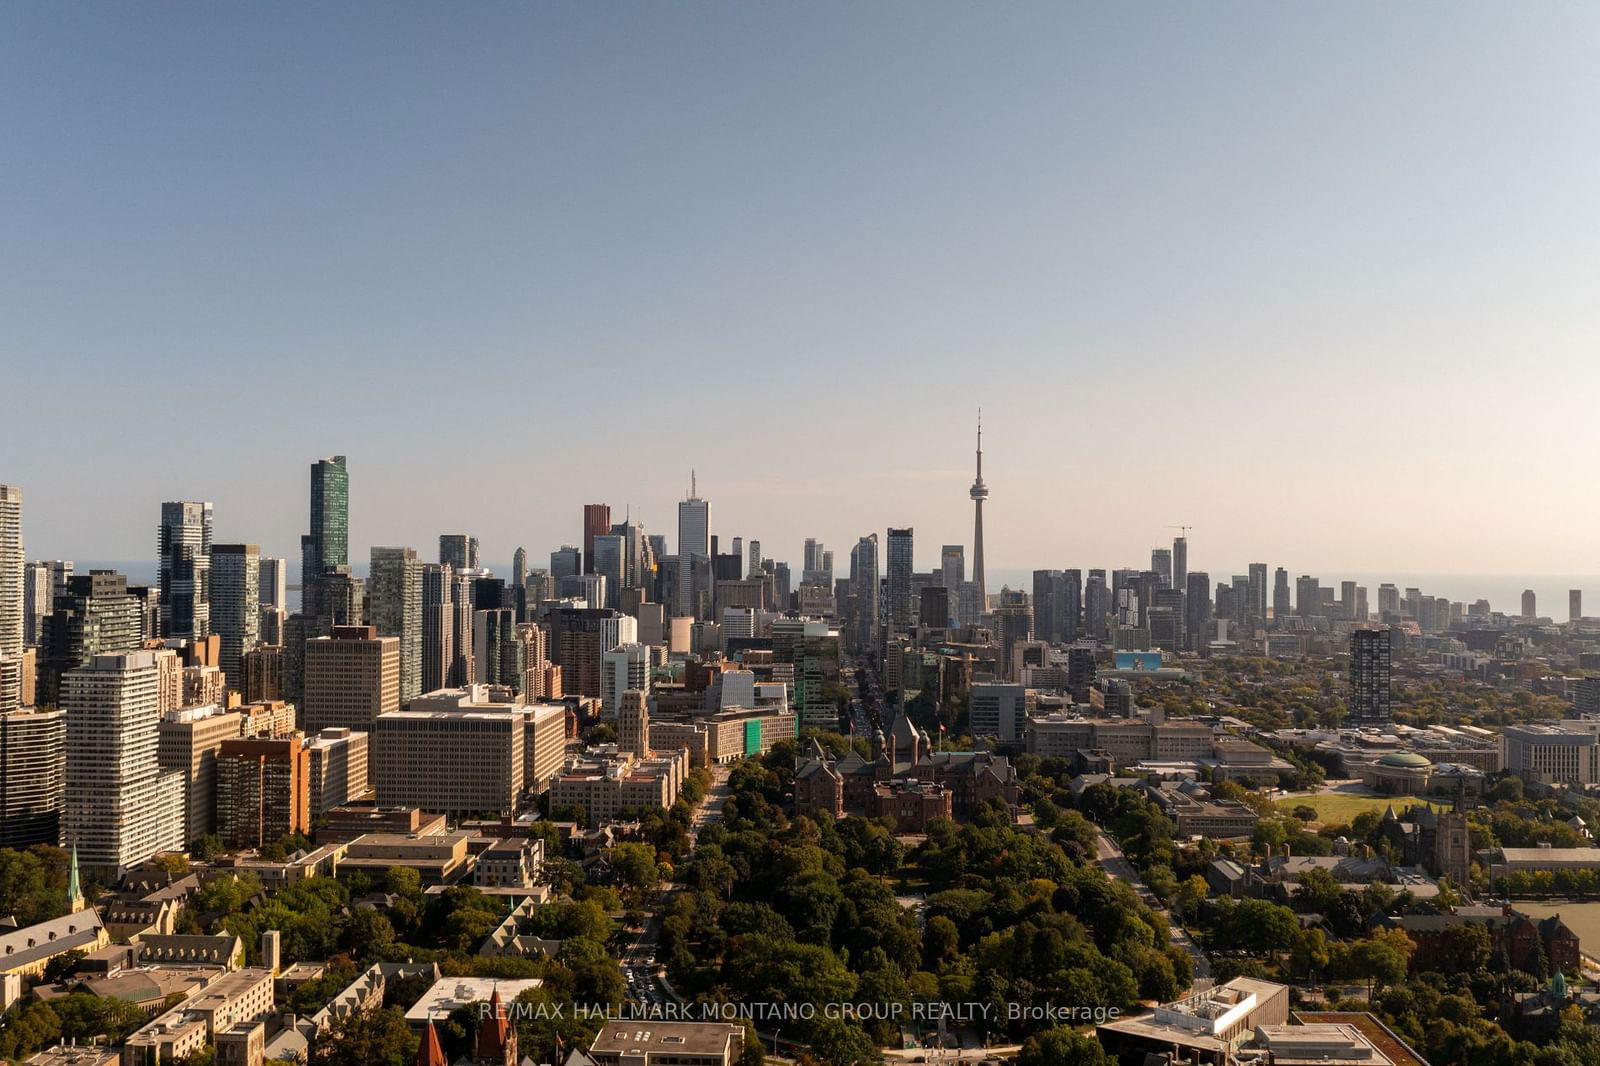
x: 1501, y: 588
x: 1165, y: 286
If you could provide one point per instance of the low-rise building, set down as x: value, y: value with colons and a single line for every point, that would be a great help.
x: 725, y: 735
x: 241, y: 997
x: 513, y: 862
x: 606, y: 782
x: 1206, y: 1027
x: 27, y: 951
x: 667, y: 1044
x: 440, y: 858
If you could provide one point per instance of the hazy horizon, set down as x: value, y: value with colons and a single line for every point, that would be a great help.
x: 1320, y: 282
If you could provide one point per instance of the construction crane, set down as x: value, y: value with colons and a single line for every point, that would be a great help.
x: 1185, y: 530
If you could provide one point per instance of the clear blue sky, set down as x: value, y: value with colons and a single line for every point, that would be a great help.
x: 1319, y: 280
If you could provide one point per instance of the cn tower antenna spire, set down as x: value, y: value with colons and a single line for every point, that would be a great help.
x: 979, y: 493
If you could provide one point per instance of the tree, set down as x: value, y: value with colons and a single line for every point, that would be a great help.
x: 1061, y: 1047
x: 368, y: 934
x: 207, y: 847
x: 370, y: 1038
x: 1381, y: 958
x: 1190, y: 894
x: 1462, y: 948
x: 635, y: 865
x: 1310, y: 954
x: 1319, y: 889
x: 839, y: 1043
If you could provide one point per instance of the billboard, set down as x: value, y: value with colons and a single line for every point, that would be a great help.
x: 1138, y: 660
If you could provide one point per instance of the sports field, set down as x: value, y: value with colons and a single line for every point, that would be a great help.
x: 1338, y: 808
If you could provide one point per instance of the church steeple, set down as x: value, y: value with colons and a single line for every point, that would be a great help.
x: 429, y: 1052
x: 74, y: 885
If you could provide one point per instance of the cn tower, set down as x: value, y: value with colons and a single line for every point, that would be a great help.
x: 980, y: 492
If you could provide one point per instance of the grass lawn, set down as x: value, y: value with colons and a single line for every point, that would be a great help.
x: 1339, y: 808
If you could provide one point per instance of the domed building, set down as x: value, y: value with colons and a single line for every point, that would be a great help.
x: 1399, y: 773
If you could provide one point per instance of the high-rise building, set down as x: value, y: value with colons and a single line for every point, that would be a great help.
x: 565, y: 561
x: 694, y: 543
x: 999, y: 710
x: 438, y: 626
x: 1197, y: 609
x: 596, y: 523
x: 952, y: 567
x: 624, y: 668
x: 1161, y: 563
x: 263, y: 790
x: 633, y: 724
x: 32, y: 777
x: 38, y: 590
x: 1307, y: 596
x: 12, y: 605
x: 608, y: 556
x: 235, y: 605
x: 1049, y: 589
x: 1370, y: 676
x: 1388, y: 602
x: 459, y: 550
x: 187, y: 742
x: 519, y: 567
x: 864, y: 586
x: 95, y: 615
x: 394, y: 608
x: 497, y: 649
x: 979, y: 493
x: 901, y: 608
x: 274, y: 583
x: 1256, y: 598
x: 11, y: 569
x: 327, y: 546
x: 337, y: 761
x: 1180, y: 562
x: 579, y: 639
x: 183, y: 545
x: 1574, y: 604
x: 461, y: 751
x: 755, y: 559
x: 1280, y: 595
x: 462, y: 599
x: 1096, y: 605
x: 121, y: 807
x: 1530, y: 605
x: 351, y: 677
x: 934, y: 609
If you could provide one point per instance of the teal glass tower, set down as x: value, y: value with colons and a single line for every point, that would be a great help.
x: 327, y: 546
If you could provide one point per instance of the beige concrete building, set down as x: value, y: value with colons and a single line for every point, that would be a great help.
x: 267, y: 718
x: 439, y: 858
x: 1555, y: 753
x: 187, y: 742
x: 460, y: 752
x: 724, y: 736
x: 240, y: 997
x: 546, y: 744
x: 337, y: 768
x: 351, y: 677
x: 668, y: 1044
x: 605, y: 783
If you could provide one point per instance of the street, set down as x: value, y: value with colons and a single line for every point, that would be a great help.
x: 1113, y: 862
